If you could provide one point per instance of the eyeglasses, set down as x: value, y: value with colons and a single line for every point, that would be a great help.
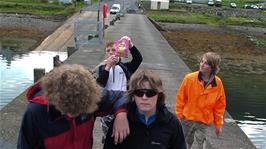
x: 147, y: 92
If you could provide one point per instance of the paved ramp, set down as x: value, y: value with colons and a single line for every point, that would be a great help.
x: 64, y: 35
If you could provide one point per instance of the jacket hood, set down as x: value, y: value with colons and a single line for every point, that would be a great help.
x: 35, y: 94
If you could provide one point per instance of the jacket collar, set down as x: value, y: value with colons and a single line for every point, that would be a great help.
x: 213, y: 82
x: 35, y: 94
x: 162, y: 115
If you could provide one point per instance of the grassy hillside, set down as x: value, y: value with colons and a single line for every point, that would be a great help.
x: 39, y: 7
x: 193, y: 14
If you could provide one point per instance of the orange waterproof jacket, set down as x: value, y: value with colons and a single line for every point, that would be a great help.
x: 196, y: 103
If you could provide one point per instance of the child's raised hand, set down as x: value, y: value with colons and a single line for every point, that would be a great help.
x: 129, y: 41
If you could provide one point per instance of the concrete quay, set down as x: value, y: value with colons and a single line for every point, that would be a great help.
x: 157, y: 55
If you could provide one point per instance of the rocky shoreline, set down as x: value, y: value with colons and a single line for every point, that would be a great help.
x: 40, y: 24
x: 32, y: 27
x: 236, y: 45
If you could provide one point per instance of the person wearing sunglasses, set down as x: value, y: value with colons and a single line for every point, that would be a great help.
x: 201, y: 101
x: 152, y: 126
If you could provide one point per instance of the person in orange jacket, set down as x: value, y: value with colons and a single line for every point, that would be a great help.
x: 201, y: 101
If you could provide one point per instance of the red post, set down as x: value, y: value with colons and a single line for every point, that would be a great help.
x: 105, y: 9
x: 105, y: 13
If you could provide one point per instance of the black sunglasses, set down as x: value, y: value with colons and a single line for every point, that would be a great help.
x: 147, y: 92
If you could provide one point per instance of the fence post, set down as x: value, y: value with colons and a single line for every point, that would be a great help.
x: 81, y: 29
x: 70, y: 51
x: 57, y: 61
x: 38, y: 73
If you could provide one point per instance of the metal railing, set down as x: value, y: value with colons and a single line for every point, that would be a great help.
x: 88, y: 32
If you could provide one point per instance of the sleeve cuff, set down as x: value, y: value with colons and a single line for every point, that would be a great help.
x: 180, y: 116
x: 218, y: 125
x: 120, y: 110
x: 133, y: 47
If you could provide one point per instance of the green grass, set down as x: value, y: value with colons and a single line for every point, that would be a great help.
x: 180, y: 19
x: 258, y: 41
x: 193, y: 18
x: 39, y: 7
x: 95, y: 1
x: 239, y: 3
x: 25, y: 1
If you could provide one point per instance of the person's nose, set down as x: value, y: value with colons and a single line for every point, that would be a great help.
x: 112, y: 53
x: 206, y: 65
x: 144, y: 96
x: 201, y: 64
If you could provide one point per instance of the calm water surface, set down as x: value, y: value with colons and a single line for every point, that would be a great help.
x: 17, y: 70
x: 246, y: 102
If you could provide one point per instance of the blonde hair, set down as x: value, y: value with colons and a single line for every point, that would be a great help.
x: 72, y: 89
x: 214, y: 60
x: 139, y: 78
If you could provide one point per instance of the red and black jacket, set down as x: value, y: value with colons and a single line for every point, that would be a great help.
x: 44, y: 127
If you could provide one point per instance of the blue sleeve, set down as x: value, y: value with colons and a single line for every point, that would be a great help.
x: 112, y: 102
x: 28, y: 136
